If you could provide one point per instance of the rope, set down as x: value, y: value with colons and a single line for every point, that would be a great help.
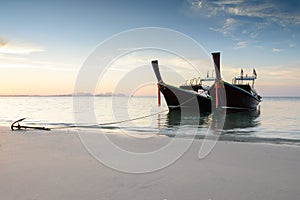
x: 110, y: 123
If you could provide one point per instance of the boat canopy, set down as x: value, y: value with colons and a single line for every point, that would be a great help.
x: 247, y: 78
x: 240, y: 79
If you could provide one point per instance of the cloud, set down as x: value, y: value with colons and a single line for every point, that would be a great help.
x: 241, y: 44
x: 246, y: 20
x: 3, y: 42
x: 277, y: 50
x: 13, y: 55
x: 279, y: 75
x: 291, y: 45
x: 8, y: 47
x: 271, y: 76
x: 9, y: 61
x: 272, y: 11
x: 228, y: 27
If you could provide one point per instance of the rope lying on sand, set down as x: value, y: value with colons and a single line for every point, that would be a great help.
x: 19, y: 127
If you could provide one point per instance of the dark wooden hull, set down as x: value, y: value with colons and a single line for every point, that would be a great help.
x: 235, y: 99
x: 238, y: 99
x: 177, y: 98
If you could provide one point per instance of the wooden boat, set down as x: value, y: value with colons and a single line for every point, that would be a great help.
x: 238, y: 96
x: 178, y: 98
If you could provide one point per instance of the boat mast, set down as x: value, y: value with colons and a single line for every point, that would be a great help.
x: 159, y: 80
x: 216, y: 59
x: 156, y: 71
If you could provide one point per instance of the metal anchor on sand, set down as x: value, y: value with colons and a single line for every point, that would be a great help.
x: 16, y: 126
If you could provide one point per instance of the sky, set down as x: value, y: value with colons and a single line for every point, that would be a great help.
x: 43, y: 44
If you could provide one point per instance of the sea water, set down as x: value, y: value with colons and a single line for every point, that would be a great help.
x: 276, y: 120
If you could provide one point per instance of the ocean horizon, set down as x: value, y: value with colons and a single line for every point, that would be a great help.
x: 276, y: 120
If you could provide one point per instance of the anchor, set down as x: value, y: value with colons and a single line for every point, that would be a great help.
x: 16, y: 126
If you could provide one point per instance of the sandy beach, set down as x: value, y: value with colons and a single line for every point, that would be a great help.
x: 55, y: 165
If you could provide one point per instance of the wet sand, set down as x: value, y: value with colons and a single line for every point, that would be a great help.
x: 55, y: 165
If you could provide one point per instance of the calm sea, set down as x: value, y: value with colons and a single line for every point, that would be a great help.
x: 277, y: 121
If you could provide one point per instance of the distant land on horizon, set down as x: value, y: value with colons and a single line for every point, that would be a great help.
x: 107, y: 95
x: 63, y: 95
x: 71, y: 95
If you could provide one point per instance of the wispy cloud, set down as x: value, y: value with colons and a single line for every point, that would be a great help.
x: 271, y: 11
x: 228, y: 27
x: 3, y: 42
x: 10, y: 61
x: 241, y: 44
x: 291, y: 45
x: 269, y: 75
x: 13, y: 54
x: 245, y: 20
x: 277, y: 50
x: 280, y: 75
x: 14, y: 47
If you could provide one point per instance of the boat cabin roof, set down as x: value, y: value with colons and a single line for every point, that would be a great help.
x: 239, y: 80
x: 245, y: 78
x: 208, y: 79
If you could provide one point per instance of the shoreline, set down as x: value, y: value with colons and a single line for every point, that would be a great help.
x: 222, y: 138
x: 55, y: 165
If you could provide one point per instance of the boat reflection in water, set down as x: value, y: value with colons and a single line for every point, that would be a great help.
x: 242, y: 120
x: 238, y: 126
